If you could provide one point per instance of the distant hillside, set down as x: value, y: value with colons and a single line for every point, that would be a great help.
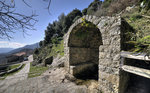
x: 5, y: 50
x: 32, y: 47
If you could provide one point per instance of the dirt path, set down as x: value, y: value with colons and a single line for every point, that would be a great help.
x: 21, y: 75
x: 53, y: 81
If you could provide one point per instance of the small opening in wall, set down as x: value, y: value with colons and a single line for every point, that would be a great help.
x: 90, y: 73
x: 84, y: 42
x: 138, y: 63
x: 138, y: 84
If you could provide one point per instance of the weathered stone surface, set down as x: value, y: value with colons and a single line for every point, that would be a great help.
x: 107, y: 54
x: 58, y: 61
x: 53, y: 81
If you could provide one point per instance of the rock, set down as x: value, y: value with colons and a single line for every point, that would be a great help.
x: 48, y: 60
x: 58, y: 62
x: 128, y: 9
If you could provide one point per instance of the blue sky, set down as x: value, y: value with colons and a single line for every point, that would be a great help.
x: 57, y: 7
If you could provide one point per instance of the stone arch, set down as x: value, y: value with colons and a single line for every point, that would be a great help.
x: 108, y: 50
x: 84, y: 45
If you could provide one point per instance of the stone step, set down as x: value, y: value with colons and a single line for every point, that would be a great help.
x: 83, y: 68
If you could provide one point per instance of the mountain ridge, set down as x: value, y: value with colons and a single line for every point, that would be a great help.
x: 5, y: 50
x: 12, y: 50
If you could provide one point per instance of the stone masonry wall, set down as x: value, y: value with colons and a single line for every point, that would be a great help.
x: 109, y: 51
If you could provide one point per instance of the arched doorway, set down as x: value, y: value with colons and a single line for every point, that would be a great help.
x: 84, y: 42
x: 91, y: 47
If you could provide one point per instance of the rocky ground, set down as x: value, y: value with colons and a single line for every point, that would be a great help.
x: 54, y: 80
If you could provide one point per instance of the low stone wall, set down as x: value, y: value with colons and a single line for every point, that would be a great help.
x: 12, y: 70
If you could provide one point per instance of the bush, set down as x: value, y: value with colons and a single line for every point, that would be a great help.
x: 84, y: 11
x: 106, y: 3
x: 93, y: 7
x: 120, y: 5
x: 111, y: 7
x: 36, y: 51
x: 145, y: 40
x: 135, y: 16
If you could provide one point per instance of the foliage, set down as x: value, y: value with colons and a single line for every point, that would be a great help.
x: 58, y: 28
x: 70, y: 19
x: 52, y: 44
x: 145, y: 40
x: 48, y: 51
x: 58, y: 49
x: 141, y: 24
x: 14, y: 66
x: 36, y: 51
x: 93, y: 7
x: 41, y: 43
x: 84, y: 11
x: 135, y: 16
x: 87, y: 23
x: 36, y: 70
x: 112, y: 7
x: 106, y: 3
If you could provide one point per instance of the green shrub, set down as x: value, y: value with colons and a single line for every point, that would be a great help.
x: 84, y: 11
x: 135, y: 16
x: 36, y: 51
x: 145, y: 40
x: 106, y: 3
x: 58, y: 49
x: 14, y: 66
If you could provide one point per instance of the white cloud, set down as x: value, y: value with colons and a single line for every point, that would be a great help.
x: 8, y: 44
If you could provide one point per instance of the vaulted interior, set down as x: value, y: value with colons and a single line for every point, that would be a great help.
x: 84, y: 42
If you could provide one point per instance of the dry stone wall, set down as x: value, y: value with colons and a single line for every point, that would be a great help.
x: 109, y: 51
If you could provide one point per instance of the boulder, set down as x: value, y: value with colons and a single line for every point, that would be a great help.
x: 48, y: 60
x: 58, y: 62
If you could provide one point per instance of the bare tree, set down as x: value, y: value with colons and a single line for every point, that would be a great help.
x: 10, y: 21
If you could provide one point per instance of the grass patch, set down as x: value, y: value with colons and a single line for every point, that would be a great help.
x: 36, y: 70
x: 58, y: 49
x: 12, y: 67
x: 48, y: 51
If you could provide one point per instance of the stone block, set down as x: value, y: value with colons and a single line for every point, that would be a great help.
x: 102, y: 55
x: 115, y: 30
x: 116, y: 57
x: 48, y: 60
x: 96, y: 21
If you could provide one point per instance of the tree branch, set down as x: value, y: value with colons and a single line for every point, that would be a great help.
x: 11, y: 20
